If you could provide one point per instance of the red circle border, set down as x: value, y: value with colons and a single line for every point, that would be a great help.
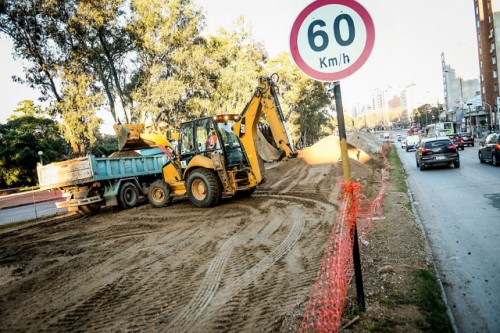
x: 328, y: 77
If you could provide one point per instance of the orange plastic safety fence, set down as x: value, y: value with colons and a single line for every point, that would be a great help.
x: 329, y: 292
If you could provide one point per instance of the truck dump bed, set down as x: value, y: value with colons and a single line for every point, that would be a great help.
x: 90, y: 168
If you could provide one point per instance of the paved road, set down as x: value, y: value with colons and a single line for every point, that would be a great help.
x: 460, y: 212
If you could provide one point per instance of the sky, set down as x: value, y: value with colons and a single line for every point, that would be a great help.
x: 410, y: 36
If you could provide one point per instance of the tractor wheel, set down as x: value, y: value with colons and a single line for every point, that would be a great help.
x: 159, y: 194
x: 204, y: 188
x: 128, y: 195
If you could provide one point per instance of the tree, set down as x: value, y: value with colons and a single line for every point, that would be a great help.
x: 171, y: 58
x: 80, y: 125
x: 70, y: 38
x: 21, y: 138
x: 239, y: 59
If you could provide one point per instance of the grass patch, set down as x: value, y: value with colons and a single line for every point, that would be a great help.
x: 381, y: 325
x: 430, y: 303
x: 397, y: 172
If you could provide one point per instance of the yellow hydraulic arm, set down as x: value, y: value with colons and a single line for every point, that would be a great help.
x: 264, y: 100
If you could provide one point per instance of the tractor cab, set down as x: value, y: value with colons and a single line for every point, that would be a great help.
x: 205, y: 136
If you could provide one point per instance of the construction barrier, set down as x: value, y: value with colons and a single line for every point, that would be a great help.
x: 329, y: 292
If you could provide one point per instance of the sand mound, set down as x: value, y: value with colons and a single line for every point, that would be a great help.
x: 327, y: 150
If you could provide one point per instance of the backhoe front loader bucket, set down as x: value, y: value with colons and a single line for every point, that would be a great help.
x: 136, y: 136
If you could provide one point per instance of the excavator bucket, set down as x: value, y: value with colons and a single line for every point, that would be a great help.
x: 137, y: 136
x: 266, y: 150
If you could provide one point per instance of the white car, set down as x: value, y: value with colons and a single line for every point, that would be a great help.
x: 412, y: 142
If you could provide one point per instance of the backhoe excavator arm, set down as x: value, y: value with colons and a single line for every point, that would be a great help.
x: 264, y: 101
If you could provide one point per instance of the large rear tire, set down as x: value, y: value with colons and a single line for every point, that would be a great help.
x: 204, y: 188
x: 494, y: 159
x: 128, y: 195
x: 159, y: 194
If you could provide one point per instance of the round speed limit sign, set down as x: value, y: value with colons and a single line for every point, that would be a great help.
x: 331, y: 39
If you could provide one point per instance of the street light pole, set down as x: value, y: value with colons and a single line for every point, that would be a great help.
x: 40, y: 153
x: 488, y: 122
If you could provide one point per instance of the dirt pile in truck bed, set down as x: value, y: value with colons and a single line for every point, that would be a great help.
x: 244, y: 266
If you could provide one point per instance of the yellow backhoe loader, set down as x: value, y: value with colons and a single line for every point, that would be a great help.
x: 219, y: 155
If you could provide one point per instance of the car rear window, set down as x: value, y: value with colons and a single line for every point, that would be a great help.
x: 437, y: 144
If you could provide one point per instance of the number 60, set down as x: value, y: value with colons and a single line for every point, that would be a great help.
x: 311, y: 34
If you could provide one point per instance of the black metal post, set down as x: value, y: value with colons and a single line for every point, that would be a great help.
x: 347, y: 177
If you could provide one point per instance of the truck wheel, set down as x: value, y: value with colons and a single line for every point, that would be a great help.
x: 159, y: 194
x: 89, y: 209
x: 203, y: 188
x: 128, y: 195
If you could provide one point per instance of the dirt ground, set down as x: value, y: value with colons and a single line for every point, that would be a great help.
x: 245, y: 266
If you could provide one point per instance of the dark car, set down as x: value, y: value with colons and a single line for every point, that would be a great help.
x: 437, y: 151
x: 457, y: 141
x: 468, y: 138
x: 489, y: 150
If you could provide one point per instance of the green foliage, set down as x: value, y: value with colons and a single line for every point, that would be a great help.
x: 77, y: 108
x: 149, y: 58
x: 171, y: 79
x: 239, y: 59
x: 104, y: 145
x: 20, y: 141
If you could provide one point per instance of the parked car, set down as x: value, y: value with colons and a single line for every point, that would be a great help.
x: 489, y: 149
x: 436, y: 151
x: 399, y: 136
x: 412, y: 142
x: 468, y: 138
x: 457, y: 141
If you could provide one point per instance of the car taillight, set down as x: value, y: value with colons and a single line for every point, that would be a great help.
x: 426, y: 150
x: 497, y: 147
x: 452, y: 147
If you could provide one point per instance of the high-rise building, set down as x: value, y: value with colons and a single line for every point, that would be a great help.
x: 487, y: 28
x: 461, y: 97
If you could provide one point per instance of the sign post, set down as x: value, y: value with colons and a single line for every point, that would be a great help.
x: 330, y: 40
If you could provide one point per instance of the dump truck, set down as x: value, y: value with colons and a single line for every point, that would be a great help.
x: 91, y: 182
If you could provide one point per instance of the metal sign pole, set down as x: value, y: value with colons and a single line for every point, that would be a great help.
x: 347, y: 178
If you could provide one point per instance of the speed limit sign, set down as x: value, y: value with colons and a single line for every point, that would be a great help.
x: 331, y: 39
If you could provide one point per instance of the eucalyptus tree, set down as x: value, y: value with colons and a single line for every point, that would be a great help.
x: 240, y: 60
x: 68, y: 43
x: 171, y: 81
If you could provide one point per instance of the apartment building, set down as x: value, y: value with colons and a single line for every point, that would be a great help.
x: 487, y: 18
